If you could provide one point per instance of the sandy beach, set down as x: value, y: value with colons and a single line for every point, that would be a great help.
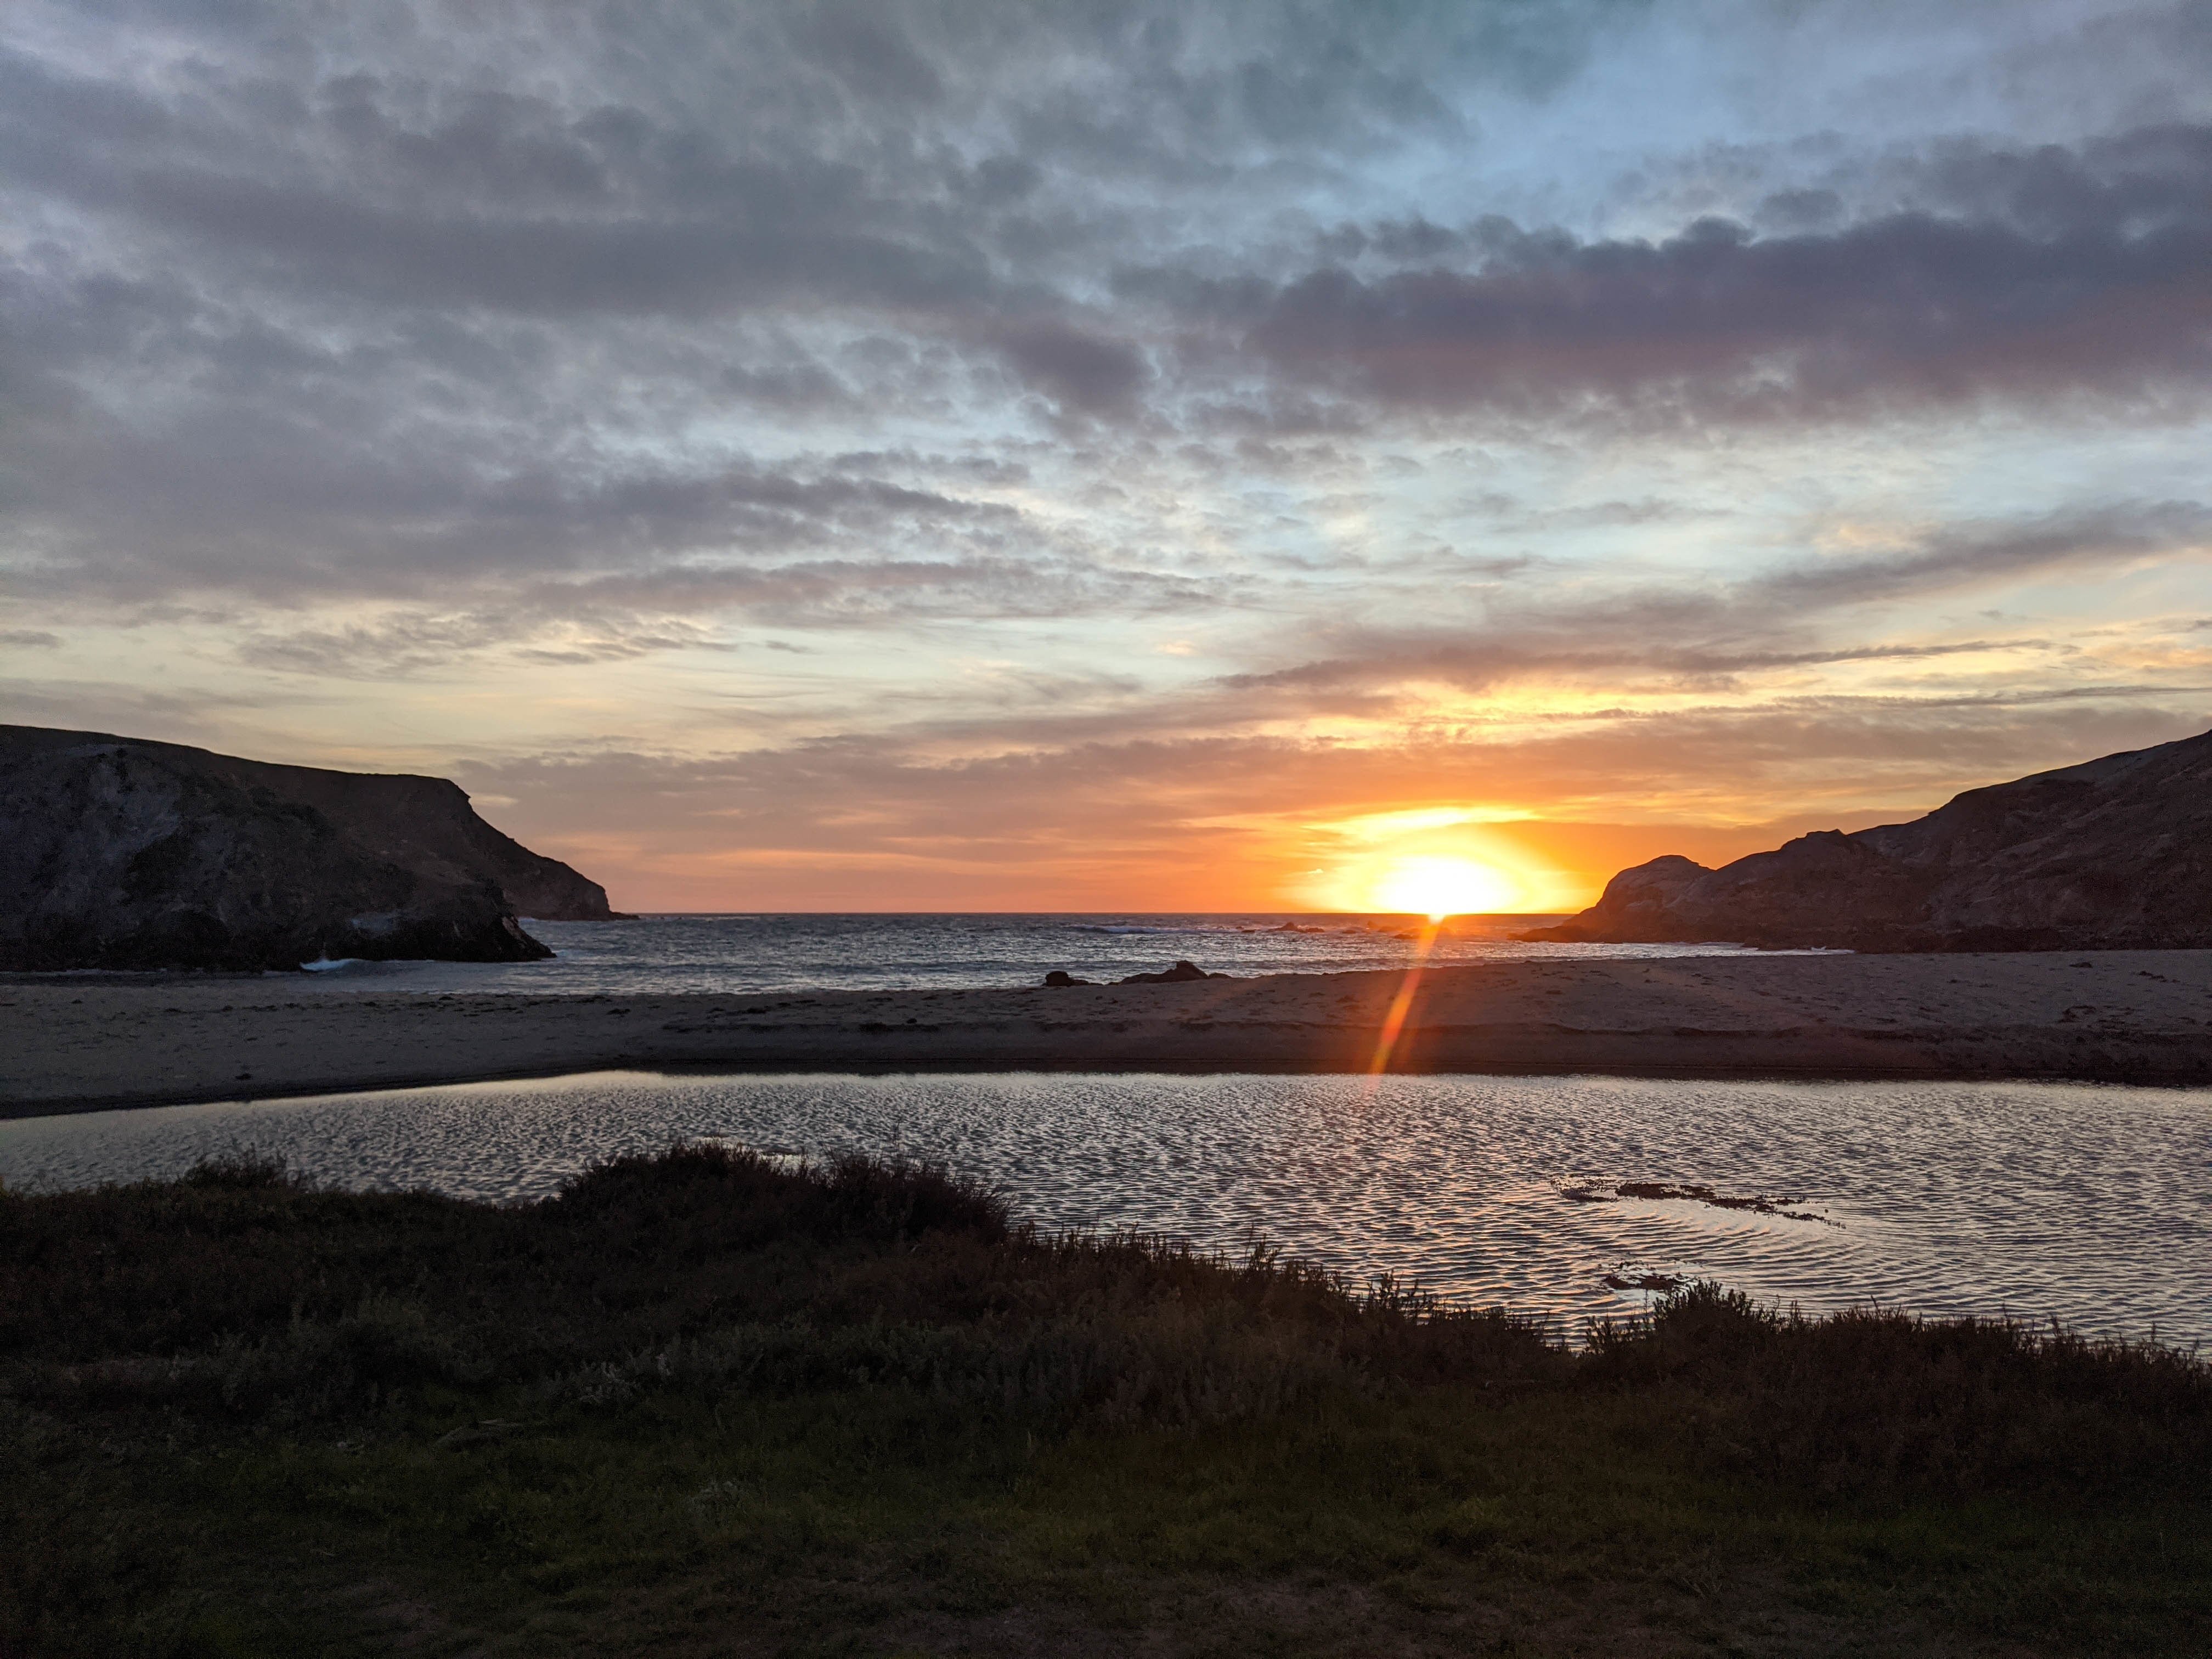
x: 80, y: 1044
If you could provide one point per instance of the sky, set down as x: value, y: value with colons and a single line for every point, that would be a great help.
x: 1113, y: 456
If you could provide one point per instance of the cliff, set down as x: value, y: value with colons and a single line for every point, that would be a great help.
x: 2113, y: 854
x: 120, y: 854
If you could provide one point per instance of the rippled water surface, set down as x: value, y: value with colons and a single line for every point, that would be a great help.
x: 2092, y: 1202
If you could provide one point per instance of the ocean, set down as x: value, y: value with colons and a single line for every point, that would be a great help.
x: 656, y: 955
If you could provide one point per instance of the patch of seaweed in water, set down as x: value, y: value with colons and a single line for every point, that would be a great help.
x: 1644, y: 1282
x: 1758, y: 1204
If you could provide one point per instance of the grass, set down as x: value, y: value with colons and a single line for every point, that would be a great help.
x: 702, y: 1404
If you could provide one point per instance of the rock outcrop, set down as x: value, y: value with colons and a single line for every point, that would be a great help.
x: 1175, y: 976
x: 120, y: 854
x: 2113, y: 854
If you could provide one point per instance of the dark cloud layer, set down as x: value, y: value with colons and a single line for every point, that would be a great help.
x: 350, y: 301
x: 2041, y: 273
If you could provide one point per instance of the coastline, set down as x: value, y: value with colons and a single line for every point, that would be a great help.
x: 2136, y: 1017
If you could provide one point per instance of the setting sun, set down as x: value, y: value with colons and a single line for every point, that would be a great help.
x: 1441, y: 887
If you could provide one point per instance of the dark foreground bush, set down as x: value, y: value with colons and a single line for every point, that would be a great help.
x: 703, y: 1393
x: 239, y: 1292
x: 1868, y: 1399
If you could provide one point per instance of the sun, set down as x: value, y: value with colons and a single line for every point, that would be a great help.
x: 1441, y: 887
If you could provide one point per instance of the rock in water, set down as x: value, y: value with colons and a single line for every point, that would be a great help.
x: 1175, y: 976
x: 119, y: 853
x: 2113, y: 854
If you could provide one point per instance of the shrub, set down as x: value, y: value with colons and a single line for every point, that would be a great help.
x: 1874, y: 1400
x: 239, y: 1291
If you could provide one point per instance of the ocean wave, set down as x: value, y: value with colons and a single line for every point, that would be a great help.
x: 1089, y: 927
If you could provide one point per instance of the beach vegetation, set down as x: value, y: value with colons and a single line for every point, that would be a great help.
x: 707, y: 1402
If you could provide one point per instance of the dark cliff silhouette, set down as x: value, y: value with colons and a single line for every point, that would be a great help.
x: 2114, y: 853
x: 119, y: 853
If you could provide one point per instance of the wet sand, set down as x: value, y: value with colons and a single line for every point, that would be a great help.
x: 81, y: 1044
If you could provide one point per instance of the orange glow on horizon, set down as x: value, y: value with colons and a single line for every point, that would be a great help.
x: 1434, y: 876
x: 1409, y: 860
x: 1440, y: 887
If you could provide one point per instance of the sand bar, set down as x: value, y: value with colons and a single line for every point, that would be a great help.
x: 82, y: 1043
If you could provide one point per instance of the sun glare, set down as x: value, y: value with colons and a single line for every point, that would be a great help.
x: 1441, y: 887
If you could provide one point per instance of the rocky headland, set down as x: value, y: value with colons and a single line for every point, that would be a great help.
x: 120, y: 854
x: 2111, y: 854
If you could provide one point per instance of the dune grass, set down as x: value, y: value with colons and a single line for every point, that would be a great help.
x: 699, y: 1403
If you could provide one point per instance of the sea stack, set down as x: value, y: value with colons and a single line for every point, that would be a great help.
x: 117, y: 853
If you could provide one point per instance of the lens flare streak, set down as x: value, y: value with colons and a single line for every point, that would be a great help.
x: 1401, y: 1005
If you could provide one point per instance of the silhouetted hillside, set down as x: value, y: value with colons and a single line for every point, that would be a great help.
x: 2113, y: 854
x: 116, y: 853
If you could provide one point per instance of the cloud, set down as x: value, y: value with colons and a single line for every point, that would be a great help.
x: 2036, y: 273
x: 865, y: 47
x: 2104, y: 539
x: 1710, y: 631
x: 1080, y: 370
x: 663, y: 159
x: 392, y: 314
x: 205, y: 718
x: 614, y: 618
x: 418, y: 642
